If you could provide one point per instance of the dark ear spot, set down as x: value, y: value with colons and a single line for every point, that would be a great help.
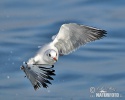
x: 49, y: 55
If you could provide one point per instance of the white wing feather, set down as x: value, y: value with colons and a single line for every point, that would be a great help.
x: 72, y: 36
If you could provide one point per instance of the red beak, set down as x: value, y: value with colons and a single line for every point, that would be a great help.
x: 55, y: 59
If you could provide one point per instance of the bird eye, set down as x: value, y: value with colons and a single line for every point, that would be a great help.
x: 49, y: 55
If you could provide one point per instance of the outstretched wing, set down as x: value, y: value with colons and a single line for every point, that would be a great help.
x: 72, y: 36
x: 38, y: 75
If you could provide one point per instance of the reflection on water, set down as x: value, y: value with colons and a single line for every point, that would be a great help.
x: 25, y: 25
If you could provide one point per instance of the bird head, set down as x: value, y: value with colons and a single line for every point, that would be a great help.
x: 51, y: 55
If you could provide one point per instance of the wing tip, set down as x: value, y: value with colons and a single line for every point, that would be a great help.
x: 102, y: 33
x: 39, y: 78
x: 44, y: 77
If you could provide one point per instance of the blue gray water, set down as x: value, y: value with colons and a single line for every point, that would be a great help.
x: 27, y: 24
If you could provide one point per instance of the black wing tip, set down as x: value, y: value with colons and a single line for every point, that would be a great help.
x: 104, y: 32
x: 101, y: 34
x: 39, y: 79
x: 44, y: 77
x: 44, y: 85
x: 37, y: 86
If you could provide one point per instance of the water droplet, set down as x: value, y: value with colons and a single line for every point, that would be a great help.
x: 39, y: 46
x: 8, y: 77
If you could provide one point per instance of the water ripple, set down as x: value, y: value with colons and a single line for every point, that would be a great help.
x: 112, y: 77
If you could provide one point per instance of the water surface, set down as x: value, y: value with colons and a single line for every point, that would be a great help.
x: 27, y: 24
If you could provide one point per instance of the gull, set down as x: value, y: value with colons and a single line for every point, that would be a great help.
x: 39, y: 69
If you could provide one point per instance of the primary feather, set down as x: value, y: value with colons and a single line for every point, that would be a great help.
x: 72, y: 36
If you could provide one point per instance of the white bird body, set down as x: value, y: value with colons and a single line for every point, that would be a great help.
x: 39, y: 57
x: 70, y: 37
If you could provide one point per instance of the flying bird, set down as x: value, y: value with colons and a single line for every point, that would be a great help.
x: 39, y: 69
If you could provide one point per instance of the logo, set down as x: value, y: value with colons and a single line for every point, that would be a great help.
x: 100, y: 92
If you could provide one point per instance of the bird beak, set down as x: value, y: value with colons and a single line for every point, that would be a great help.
x: 55, y: 59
